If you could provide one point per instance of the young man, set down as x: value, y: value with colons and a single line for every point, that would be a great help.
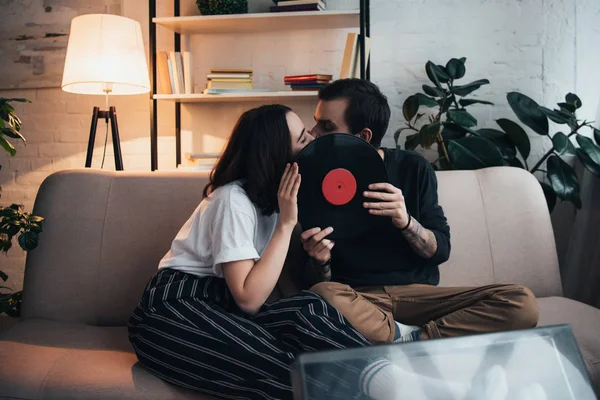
x: 385, y: 282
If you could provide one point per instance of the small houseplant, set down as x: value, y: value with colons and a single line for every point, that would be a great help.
x: 13, y: 221
x: 461, y: 145
x: 219, y: 7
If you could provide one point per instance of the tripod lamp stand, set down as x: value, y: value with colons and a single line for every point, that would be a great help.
x: 105, y: 55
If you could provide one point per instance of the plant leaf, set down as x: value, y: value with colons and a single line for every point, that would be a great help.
x: 528, y: 112
x: 441, y: 73
x: 468, y: 102
x: 18, y: 99
x: 563, y: 179
x: 517, y: 135
x: 555, y: 116
x: 567, y: 106
x: 396, y: 135
x: 428, y: 134
x: 587, y: 162
x: 597, y: 136
x: 463, y: 59
x: 474, y: 153
x: 7, y: 146
x: 502, y: 142
x: 13, y: 133
x: 592, y: 162
x: 515, y: 162
x: 453, y: 131
x: 410, y: 107
x: 432, y: 91
x: 3, y: 276
x: 469, y: 87
x: 562, y: 144
x: 549, y: 195
x: 412, y: 141
x: 455, y: 68
x: 572, y: 98
x: 447, y: 103
x: 426, y: 100
x: 436, y: 74
x: 28, y: 240
x: 462, y: 117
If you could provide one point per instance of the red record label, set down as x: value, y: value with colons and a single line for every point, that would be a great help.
x: 339, y: 186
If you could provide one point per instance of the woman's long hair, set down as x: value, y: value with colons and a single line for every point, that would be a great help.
x: 257, y: 152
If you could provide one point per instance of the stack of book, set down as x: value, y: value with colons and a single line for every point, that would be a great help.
x: 229, y: 80
x: 298, y: 5
x: 307, y: 82
x: 175, y: 74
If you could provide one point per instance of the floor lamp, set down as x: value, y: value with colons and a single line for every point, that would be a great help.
x: 105, y: 55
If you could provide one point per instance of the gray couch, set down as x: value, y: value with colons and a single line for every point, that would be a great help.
x: 106, y: 231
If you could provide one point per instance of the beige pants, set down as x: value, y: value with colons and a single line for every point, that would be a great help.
x: 441, y: 311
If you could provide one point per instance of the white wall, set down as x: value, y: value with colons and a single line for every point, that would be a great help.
x: 543, y: 48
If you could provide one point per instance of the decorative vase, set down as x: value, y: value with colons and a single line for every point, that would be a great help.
x: 220, y: 7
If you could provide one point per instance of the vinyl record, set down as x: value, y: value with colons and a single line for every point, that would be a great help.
x: 336, y: 169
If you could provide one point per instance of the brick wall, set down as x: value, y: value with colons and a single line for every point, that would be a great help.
x: 543, y: 48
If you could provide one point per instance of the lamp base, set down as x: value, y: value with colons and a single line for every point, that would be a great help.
x: 111, y: 115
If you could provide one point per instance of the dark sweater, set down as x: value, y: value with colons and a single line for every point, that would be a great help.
x: 382, y: 256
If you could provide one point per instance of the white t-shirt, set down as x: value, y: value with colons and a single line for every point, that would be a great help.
x: 225, y: 227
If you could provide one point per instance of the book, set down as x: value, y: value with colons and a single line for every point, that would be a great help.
x: 164, y: 76
x: 356, y: 72
x: 231, y: 80
x: 309, y: 82
x: 177, y: 89
x: 308, y: 86
x: 179, y: 62
x: 300, y: 7
x: 322, y: 3
x: 231, y: 71
x: 282, y: 2
x: 233, y: 91
x: 228, y: 85
x: 228, y: 76
x: 188, y: 73
x: 308, y: 77
x: 349, y: 59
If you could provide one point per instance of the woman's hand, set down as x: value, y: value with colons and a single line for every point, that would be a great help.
x: 287, y: 196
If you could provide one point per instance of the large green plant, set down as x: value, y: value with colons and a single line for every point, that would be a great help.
x: 447, y: 122
x: 13, y: 221
x: 560, y: 179
x: 461, y: 145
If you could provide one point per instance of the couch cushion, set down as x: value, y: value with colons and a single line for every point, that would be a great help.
x: 53, y: 360
x: 585, y: 322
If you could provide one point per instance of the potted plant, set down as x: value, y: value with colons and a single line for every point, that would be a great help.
x: 13, y: 221
x: 220, y: 7
x: 439, y: 116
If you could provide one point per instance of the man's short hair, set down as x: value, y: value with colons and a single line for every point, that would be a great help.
x: 367, y: 106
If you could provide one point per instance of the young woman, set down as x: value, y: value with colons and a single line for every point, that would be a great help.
x: 202, y: 322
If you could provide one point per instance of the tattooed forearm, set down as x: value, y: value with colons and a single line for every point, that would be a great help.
x: 420, y: 239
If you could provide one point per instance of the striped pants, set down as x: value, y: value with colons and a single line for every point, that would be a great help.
x: 190, y: 332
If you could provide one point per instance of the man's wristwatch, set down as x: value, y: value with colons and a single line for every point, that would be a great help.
x: 325, y: 267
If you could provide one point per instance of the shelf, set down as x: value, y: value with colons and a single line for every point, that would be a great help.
x: 262, y: 22
x: 232, y: 97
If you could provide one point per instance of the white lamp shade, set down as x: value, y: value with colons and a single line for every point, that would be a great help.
x: 105, y: 52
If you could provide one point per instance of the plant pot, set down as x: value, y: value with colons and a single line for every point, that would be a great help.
x: 220, y: 7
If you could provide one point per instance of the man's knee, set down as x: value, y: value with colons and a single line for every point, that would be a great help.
x: 524, y: 311
x: 329, y: 290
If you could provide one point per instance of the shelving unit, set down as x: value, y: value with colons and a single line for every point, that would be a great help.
x: 241, y: 23
x: 261, y: 22
x: 231, y: 97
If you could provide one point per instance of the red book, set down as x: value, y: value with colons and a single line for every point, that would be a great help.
x: 314, y: 77
x: 307, y: 82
